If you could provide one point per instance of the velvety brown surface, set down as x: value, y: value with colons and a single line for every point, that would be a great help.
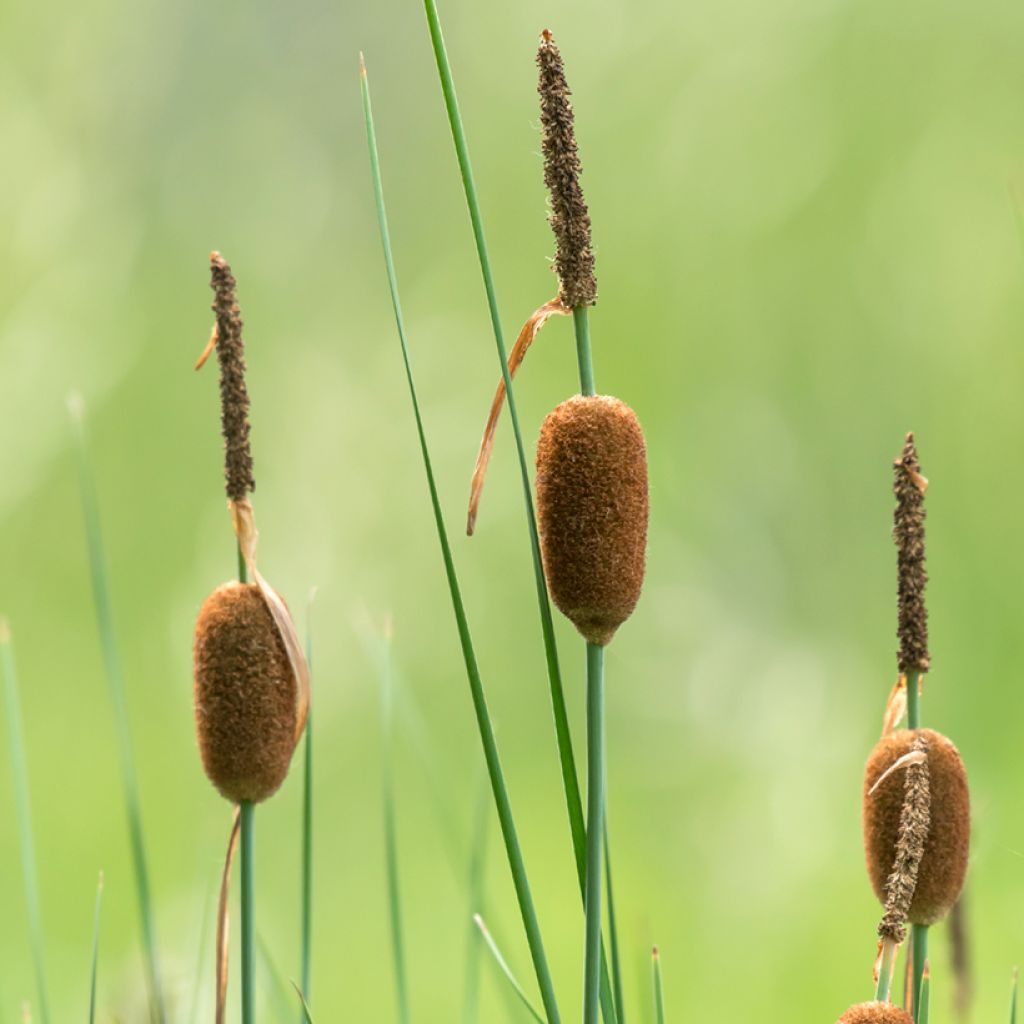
x: 592, y: 511
x: 875, y: 1013
x: 245, y: 694
x: 940, y: 876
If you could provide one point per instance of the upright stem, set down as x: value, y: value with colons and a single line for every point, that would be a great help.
x: 913, y: 700
x: 595, y: 829
x: 581, y: 324
x: 247, y: 853
x: 919, y: 952
x: 885, y: 971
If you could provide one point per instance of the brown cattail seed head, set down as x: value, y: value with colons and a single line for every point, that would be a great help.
x: 569, y: 217
x: 234, y: 398
x: 592, y: 511
x: 943, y: 864
x: 875, y: 1013
x: 908, y: 532
x: 245, y: 694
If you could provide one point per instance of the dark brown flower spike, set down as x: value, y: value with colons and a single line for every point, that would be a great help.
x: 569, y: 217
x: 234, y: 398
x: 915, y: 819
x: 943, y: 861
x: 909, y: 487
x: 875, y: 1013
x: 592, y: 509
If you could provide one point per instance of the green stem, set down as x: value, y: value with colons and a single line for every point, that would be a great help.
x: 118, y: 701
x: 19, y: 769
x: 1013, y: 997
x: 95, y: 950
x: 247, y: 856
x: 913, y: 700
x: 595, y: 830
x: 926, y: 992
x: 885, y: 969
x: 919, y: 952
x: 613, y: 930
x: 659, y: 995
x: 243, y: 569
x: 581, y: 324
x: 501, y: 799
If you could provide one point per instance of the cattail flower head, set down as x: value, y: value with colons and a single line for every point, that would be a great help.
x: 569, y: 217
x: 234, y: 397
x: 246, y: 694
x: 943, y: 862
x: 592, y: 511
x: 908, y: 532
x: 875, y: 1013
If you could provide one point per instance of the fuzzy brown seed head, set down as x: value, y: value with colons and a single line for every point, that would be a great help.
x: 234, y: 398
x: 245, y: 694
x: 943, y: 864
x: 592, y: 511
x: 569, y: 217
x: 908, y: 532
x: 875, y: 1013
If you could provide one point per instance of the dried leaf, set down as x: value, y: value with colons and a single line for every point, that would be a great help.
x: 224, y: 917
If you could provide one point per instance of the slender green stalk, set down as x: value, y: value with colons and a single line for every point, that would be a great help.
x: 913, y: 700
x: 595, y: 830
x: 19, y: 769
x: 581, y: 324
x: 919, y: 952
x: 307, y: 825
x: 116, y: 687
x: 659, y: 994
x: 613, y: 931
x: 95, y: 950
x: 247, y: 855
x: 1013, y: 997
x: 307, y: 1017
x: 477, y: 870
x: 885, y: 969
x: 501, y: 798
x: 926, y: 988
x: 563, y: 734
x: 390, y: 833
x: 505, y: 969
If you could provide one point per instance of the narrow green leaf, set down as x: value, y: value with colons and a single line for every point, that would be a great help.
x: 926, y: 990
x: 563, y: 734
x: 494, y: 770
x: 659, y: 995
x: 118, y: 702
x: 390, y: 831
x: 613, y: 931
x: 1013, y: 996
x: 95, y: 950
x: 19, y: 769
x: 505, y: 969
x: 306, y: 1015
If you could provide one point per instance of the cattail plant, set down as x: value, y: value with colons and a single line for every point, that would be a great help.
x: 916, y: 806
x: 875, y: 1013
x: 251, y: 677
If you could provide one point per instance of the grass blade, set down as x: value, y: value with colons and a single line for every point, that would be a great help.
x: 926, y: 988
x: 494, y: 771
x: 19, y: 769
x: 613, y: 931
x: 1013, y: 996
x: 659, y: 995
x: 505, y: 969
x: 390, y: 830
x: 563, y: 734
x: 477, y: 870
x: 307, y: 820
x: 115, y: 683
x: 95, y: 950
x: 307, y: 1017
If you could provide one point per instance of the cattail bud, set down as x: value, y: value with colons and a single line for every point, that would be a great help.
x: 875, y: 1013
x: 592, y: 511
x: 245, y: 694
x: 943, y: 864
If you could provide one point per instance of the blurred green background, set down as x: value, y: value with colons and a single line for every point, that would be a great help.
x: 806, y: 240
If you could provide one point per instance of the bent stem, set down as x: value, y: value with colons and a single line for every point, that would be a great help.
x: 503, y: 805
x: 595, y: 829
x: 247, y: 854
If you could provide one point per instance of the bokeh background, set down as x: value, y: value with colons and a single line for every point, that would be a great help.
x: 807, y: 244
